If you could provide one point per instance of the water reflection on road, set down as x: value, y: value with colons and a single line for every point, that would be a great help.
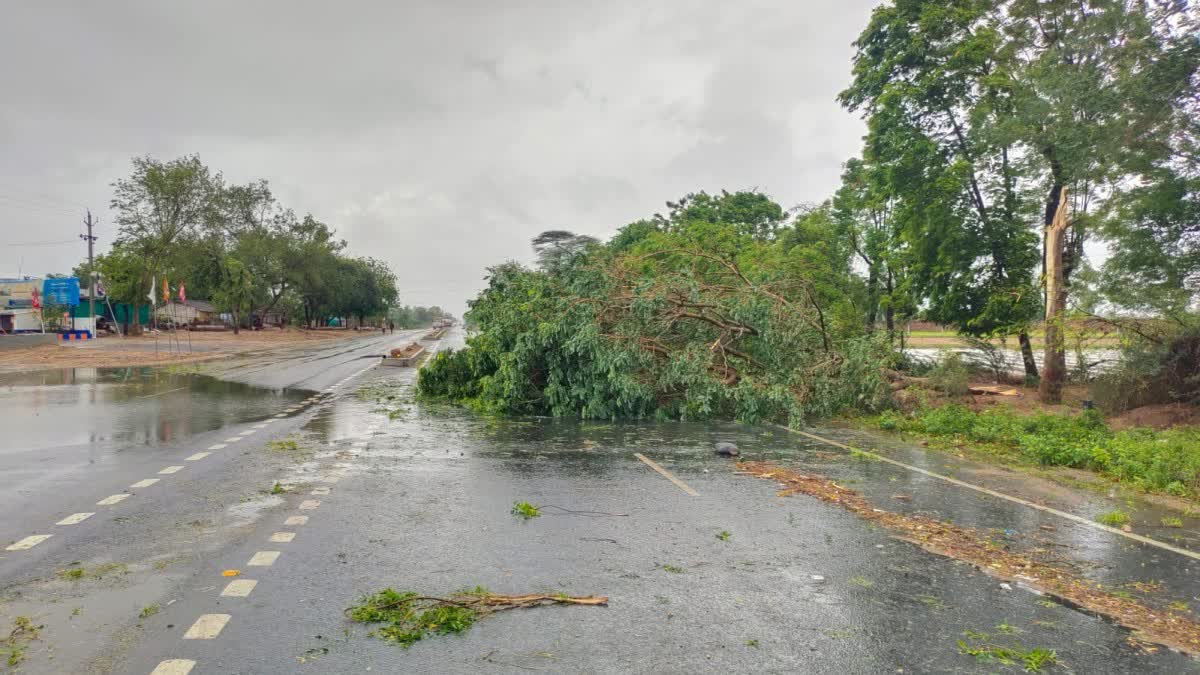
x: 121, y: 408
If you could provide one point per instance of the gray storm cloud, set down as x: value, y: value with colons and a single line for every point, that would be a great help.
x: 438, y: 136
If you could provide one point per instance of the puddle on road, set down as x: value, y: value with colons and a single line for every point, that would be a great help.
x: 115, y: 408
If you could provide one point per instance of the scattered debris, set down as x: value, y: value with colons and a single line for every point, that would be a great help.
x: 231, y: 573
x: 13, y: 646
x: 408, y: 617
x: 1034, y: 660
x: 727, y: 449
x: 526, y: 510
x: 1172, y: 629
x: 149, y: 611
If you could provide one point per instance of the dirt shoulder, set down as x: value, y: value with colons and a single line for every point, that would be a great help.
x: 163, y: 349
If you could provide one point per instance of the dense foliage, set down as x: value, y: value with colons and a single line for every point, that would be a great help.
x: 726, y: 307
x: 982, y: 112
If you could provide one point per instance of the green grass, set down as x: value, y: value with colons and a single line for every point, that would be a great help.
x: 1114, y: 518
x: 1146, y: 459
x: 525, y: 510
x: 724, y: 535
x: 277, y: 489
x: 1170, y: 521
x: 673, y: 569
x: 862, y: 581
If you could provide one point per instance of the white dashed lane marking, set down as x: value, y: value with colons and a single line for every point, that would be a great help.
x: 196, y: 457
x: 309, y: 504
x: 28, y: 542
x: 263, y: 559
x: 233, y: 439
x: 282, y: 537
x: 112, y: 499
x: 171, y: 469
x: 296, y: 520
x: 220, y: 446
x: 207, y: 627
x: 320, y: 491
x: 145, y: 482
x: 174, y: 667
x: 75, y: 518
x: 239, y: 588
x: 282, y: 415
x: 248, y: 432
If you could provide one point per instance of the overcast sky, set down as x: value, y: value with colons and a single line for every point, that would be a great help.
x: 437, y: 135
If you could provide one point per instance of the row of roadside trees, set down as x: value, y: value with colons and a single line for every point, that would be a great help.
x: 234, y: 245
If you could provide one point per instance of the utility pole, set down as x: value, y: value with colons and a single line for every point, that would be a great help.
x: 91, y: 240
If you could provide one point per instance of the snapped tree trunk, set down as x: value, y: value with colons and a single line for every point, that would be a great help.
x: 1054, y: 361
x: 1031, y: 369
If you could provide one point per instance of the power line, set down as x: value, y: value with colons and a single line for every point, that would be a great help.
x: 43, y: 243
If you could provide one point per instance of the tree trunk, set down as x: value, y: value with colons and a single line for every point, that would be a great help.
x: 236, y: 323
x: 1054, y: 362
x: 1031, y: 369
x: 872, y: 297
x: 890, y: 312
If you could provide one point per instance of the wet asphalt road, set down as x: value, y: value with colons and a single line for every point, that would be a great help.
x: 417, y: 497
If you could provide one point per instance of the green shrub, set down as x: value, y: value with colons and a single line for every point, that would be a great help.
x: 1151, y: 460
x: 950, y: 375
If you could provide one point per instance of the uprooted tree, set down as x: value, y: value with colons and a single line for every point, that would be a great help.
x: 690, y: 317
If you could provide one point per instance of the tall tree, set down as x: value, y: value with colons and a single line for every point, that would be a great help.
x: 1016, y: 98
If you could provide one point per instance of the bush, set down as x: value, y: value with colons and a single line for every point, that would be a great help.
x: 950, y: 375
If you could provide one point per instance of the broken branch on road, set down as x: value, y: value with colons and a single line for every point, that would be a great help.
x: 1168, y: 628
x: 407, y: 617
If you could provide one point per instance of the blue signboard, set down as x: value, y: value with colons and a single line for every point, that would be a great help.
x: 60, y: 291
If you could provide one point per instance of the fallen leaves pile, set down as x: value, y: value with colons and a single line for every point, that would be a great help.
x: 1168, y: 628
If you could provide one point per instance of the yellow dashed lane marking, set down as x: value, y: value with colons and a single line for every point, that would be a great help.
x: 263, y: 559
x: 207, y: 627
x: 112, y: 499
x: 309, y: 504
x: 174, y: 667
x: 667, y: 474
x: 296, y: 520
x: 282, y: 537
x: 239, y: 588
x: 196, y: 457
x: 28, y: 542
x: 75, y: 518
x: 171, y: 469
x: 145, y: 482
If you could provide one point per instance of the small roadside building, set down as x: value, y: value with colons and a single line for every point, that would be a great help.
x: 191, y: 312
x: 16, y: 305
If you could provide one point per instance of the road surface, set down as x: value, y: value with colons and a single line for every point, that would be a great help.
x: 709, y: 572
